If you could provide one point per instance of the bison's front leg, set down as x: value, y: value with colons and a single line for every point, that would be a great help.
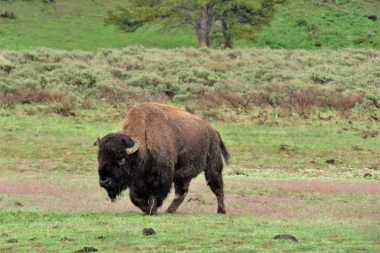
x: 181, y: 188
x: 148, y: 205
x: 139, y: 200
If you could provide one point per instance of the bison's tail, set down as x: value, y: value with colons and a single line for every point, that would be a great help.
x: 225, y: 153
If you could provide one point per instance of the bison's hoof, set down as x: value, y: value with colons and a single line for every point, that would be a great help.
x: 170, y: 210
x: 221, y: 211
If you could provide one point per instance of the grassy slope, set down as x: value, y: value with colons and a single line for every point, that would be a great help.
x: 79, y: 25
x: 250, y: 84
x: 75, y: 25
x: 335, y: 24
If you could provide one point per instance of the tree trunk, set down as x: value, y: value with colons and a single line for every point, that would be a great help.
x: 228, y: 39
x: 228, y: 42
x: 205, y: 26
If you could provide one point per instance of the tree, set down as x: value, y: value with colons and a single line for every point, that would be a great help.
x: 210, y: 19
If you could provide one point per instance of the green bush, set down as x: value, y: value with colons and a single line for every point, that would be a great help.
x: 145, y: 80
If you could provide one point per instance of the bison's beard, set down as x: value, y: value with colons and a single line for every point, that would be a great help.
x: 114, y: 192
x: 112, y: 196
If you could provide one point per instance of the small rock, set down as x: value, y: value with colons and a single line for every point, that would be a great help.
x: 285, y: 237
x: 87, y: 249
x: 66, y: 239
x: 148, y: 231
x: 357, y: 148
x: 18, y: 204
x: 12, y: 240
x: 367, y: 175
x: 100, y: 237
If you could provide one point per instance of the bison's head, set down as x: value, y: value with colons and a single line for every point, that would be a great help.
x: 118, y: 163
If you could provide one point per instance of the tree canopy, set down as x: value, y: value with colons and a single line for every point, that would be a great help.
x: 224, y: 19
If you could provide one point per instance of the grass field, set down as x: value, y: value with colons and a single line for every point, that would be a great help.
x: 79, y: 25
x: 279, y: 182
x: 302, y: 128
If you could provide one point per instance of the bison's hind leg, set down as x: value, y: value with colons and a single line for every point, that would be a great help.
x: 215, y: 181
x: 181, y: 189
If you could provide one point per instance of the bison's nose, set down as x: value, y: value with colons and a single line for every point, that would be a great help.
x: 105, y: 182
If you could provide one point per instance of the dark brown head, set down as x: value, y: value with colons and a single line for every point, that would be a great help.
x: 118, y: 163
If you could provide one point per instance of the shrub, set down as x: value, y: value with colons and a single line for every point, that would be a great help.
x: 145, y: 80
x: 166, y: 89
x: 30, y: 95
x: 207, y: 77
x: 321, y: 78
x: 373, y: 100
x: 305, y: 99
x: 6, y: 67
x: 343, y: 103
x: 236, y: 101
x: 7, y: 14
x: 64, y: 108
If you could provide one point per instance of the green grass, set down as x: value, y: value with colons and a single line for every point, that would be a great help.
x: 122, y: 232
x: 300, y: 146
x: 309, y: 25
x: 77, y: 25
x: 35, y: 141
x: 48, y: 136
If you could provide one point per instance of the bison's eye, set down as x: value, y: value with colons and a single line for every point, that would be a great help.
x: 122, y: 162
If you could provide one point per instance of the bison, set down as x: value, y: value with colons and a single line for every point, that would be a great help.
x: 160, y: 145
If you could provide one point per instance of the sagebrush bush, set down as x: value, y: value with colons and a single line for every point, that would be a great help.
x: 145, y: 80
x: 294, y: 82
x: 8, y: 14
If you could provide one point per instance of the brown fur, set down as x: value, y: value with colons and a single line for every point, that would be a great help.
x: 156, y: 124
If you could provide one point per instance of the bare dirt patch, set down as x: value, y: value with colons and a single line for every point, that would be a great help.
x: 279, y: 199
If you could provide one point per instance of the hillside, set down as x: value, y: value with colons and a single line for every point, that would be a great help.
x: 220, y: 84
x: 69, y: 24
x: 310, y: 24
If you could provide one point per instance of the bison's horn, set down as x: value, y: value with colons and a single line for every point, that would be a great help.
x: 96, y: 143
x: 133, y: 149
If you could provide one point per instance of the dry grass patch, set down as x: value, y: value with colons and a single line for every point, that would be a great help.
x: 259, y: 198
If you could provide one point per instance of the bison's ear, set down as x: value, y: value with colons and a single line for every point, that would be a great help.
x: 96, y: 143
x: 133, y: 149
